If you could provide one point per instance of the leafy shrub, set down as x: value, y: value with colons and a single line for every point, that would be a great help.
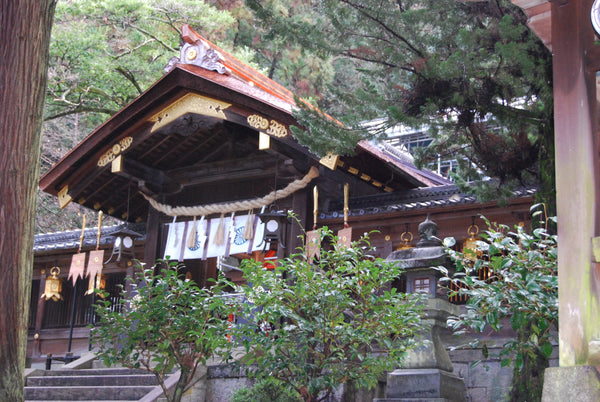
x: 520, y: 283
x: 317, y: 325
x: 267, y: 390
x: 170, y: 323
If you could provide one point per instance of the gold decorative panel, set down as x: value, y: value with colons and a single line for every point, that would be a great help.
x: 114, y: 151
x: 330, y: 160
x: 63, y: 197
x: 189, y: 103
x: 271, y: 127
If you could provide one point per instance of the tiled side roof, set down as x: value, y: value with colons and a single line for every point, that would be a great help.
x: 70, y: 239
x: 395, y: 157
x: 421, y: 198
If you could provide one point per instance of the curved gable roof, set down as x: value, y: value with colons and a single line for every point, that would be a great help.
x: 206, y: 111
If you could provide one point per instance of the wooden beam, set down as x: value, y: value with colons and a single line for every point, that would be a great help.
x: 228, y: 171
x: 85, y: 174
x: 157, y: 181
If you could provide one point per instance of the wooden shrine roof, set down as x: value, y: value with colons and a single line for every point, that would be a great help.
x: 195, y: 131
x: 540, y: 18
x: 68, y: 241
x: 417, y: 200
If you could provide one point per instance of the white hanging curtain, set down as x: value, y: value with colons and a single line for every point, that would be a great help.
x: 180, y: 247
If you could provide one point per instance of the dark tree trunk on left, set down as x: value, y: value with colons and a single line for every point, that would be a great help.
x: 25, y: 27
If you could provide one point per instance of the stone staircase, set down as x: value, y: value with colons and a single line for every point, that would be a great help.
x: 99, y: 384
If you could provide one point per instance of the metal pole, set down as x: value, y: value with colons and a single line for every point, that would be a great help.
x: 72, y: 317
x: 92, y: 319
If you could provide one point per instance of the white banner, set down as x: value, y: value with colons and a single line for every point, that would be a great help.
x: 206, y: 229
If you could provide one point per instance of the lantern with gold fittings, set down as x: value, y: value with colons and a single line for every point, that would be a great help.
x: 53, y: 286
x: 406, y: 237
x: 470, y: 249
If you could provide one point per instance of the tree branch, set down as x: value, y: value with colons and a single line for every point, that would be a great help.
x: 351, y: 55
x: 81, y: 109
x: 130, y: 77
x: 165, y: 45
x: 361, y: 10
x: 126, y: 52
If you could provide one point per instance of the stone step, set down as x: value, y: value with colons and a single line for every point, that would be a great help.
x: 90, y: 372
x: 92, y: 380
x: 78, y: 393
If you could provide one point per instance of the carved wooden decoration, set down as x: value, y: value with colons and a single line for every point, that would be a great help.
x: 199, y: 54
x: 115, y: 151
x: 271, y: 127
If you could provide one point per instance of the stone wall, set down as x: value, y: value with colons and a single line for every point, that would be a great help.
x: 485, y: 382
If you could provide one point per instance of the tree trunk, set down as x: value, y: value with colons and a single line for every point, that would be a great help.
x: 527, y: 383
x: 25, y: 27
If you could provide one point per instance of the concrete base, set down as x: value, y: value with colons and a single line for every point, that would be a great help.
x: 573, y: 384
x: 423, y: 385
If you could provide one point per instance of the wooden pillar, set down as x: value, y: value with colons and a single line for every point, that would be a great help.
x: 39, y: 316
x: 152, y: 237
x: 577, y: 178
x: 299, y: 206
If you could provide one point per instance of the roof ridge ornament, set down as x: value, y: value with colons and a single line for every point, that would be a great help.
x: 196, y: 52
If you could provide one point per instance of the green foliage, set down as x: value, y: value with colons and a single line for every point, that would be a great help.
x: 290, y: 63
x: 105, y: 53
x: 520, y: 283
x: 442, y: 64
x: 267, y: 390
x: 316, y: 326
x: 170, y: 323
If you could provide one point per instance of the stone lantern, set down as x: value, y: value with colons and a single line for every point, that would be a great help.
x: 427, y: 371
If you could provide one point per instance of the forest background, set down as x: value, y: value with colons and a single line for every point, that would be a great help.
x: 471, y: 73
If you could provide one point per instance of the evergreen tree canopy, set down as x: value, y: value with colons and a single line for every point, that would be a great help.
x: 472, y: 73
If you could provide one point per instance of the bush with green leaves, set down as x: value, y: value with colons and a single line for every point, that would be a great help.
x: 316, y: 325
x: 267, y: 390
x: 170, y: 323
x: 521, y: 285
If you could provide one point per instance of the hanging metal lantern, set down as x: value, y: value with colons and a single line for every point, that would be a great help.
x: 101, y: 283
x: 123, y: 246
x: 406, y: 237
x: 275, y: 224
x: 470, y: 249
x: 53, y: 286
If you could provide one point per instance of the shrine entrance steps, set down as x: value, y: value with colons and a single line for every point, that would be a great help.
x: 99, y: 384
